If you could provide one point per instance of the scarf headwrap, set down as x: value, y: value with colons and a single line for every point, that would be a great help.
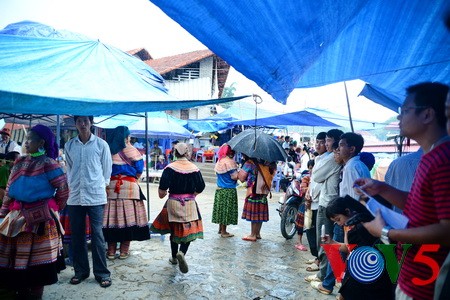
x: 225, y: 150
x: 116, y: 140
x: 50, y: 146
x: 182, y: 149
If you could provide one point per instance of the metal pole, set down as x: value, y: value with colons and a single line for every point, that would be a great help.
x: 348, y: 106
x: 146, y: 166
x: 58, y: 132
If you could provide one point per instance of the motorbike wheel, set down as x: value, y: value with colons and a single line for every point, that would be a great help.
x: 287, y: 224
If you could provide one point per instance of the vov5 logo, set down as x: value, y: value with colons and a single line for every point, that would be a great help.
x: 365, y: 264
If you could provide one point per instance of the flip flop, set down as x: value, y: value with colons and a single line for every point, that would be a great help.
x: 310, y: 261
x: 312, y: 269
x: 301, y: 247
x: 227, y: 235
x: 250, y: 239
x: 318, y: 286
x: 312, y: 278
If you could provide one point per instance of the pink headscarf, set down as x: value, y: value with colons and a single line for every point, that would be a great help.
x: 225, y: 163
x: 225, y: 150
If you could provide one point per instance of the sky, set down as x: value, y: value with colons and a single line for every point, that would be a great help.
x: 131, y: 24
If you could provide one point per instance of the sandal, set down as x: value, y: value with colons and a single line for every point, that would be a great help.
x: 249, y: 238
x: 124, y: 255
x: 104, y: 282
x: 111, y: 256
x: 77, y: 279
x: 318, y: 286
x: 312, y: 268
x: 227, y: 235
x: 312, y: 261
x: 258, y: 237
x: 301, y: 247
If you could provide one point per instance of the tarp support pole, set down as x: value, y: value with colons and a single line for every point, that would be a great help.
x: 348, y: 107
x: 58, y: 132
x: 146, y: 166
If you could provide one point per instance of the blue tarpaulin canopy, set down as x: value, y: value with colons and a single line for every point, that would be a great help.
x: 297, y: 118
x: 44, y: 71
x: 239, y: 110
x: 282, y: 45
x: 159, y: 124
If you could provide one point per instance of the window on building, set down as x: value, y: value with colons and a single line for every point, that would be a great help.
x: 184, y: 114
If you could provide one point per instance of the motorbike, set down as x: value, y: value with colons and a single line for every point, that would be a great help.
x: 289, y: 205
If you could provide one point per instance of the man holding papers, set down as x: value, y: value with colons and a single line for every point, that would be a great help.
x: 427, y: 205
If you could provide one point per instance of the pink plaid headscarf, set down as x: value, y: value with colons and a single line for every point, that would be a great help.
x: 225, y: 150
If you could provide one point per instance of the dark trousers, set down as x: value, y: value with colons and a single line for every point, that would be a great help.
x: 174, y: 248
x: 77, y: 215
x: 311, y: 235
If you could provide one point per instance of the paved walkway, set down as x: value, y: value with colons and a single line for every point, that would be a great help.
x: 225, y: 268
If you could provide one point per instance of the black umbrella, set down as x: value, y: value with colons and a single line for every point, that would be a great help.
x: 257, y: 144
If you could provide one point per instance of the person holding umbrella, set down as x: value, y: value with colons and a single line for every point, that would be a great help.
x: 258, y: 174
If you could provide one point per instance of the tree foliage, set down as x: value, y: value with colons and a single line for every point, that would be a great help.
x: 228, y: 92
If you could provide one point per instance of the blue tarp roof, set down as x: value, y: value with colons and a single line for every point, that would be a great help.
x: 297, y: 118
x: 44, y: 71
x: 282, y: 45
x: 160, y: 125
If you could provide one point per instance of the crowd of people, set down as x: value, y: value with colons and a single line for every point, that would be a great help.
x: 45, y: 203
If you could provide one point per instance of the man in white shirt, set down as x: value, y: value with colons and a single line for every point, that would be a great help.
x: 312, y: 196
x: 6, y: 144
x: 89, y: 167
x: 326, y: 173
x: 285, y: 145
x: 350, y: 146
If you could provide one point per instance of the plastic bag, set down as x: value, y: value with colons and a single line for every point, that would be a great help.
x: 308, y: 219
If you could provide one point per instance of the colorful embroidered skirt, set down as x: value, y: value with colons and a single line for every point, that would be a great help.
x: 225, y: 209
x: 29, y: 258
x: 185, y: 223
x: 300, y: 219
x: 125, y: 216
x: 256, y: 209
x: 65, y: 222
x: 125, y: 220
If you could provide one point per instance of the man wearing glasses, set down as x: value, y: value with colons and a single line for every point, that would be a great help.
x: 427, y: 205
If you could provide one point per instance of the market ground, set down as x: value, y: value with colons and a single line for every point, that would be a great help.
x: 225, y: 268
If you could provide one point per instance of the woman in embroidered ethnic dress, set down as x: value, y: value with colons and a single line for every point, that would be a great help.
x: 30, y: 254
x: 225, y: 209
x: 258, y: 175
x: 180, y: 215
x: 124, y: 218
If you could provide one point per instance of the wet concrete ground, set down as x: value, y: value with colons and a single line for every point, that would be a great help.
x: 219, y: 268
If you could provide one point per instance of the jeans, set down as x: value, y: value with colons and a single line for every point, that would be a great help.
x: 77, y: 215
x: 322, y: 220
x: 329, y: 281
